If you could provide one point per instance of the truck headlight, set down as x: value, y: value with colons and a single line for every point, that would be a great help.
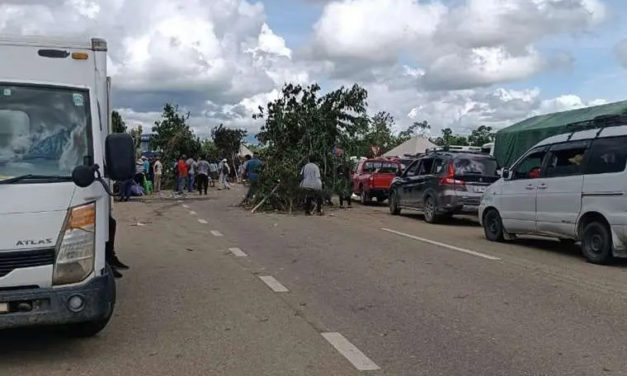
x: 75, y: 255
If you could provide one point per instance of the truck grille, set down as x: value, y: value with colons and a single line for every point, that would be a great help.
x: 9, y: 261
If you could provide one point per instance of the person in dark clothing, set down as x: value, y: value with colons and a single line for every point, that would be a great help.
x: 110, y: 257
x: 343, y: 185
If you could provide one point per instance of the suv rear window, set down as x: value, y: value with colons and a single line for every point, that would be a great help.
x: 475, y: 166
x: 607, y: 155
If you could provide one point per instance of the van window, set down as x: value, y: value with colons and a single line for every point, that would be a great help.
x: 566, y: 162
x: 529, y: 168
x: 607, y: 155
x: 475, y: 166
x: 425, y: 166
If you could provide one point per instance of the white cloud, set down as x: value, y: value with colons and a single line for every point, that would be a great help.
x: 621, y: 52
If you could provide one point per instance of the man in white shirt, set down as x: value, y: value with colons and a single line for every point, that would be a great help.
x: 311, y: 182
x: 157, y: 169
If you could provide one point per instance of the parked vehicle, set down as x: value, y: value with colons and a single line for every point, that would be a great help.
x: 571, y: 186
x: 373, y: 177
x: 442, y: 183
x: 54, y: 223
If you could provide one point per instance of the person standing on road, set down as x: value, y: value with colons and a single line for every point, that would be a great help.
x: 311, y: 182
x: 225, y: 171
x: 181, y: 167
x: 157, y: 169
x: 344, y: 184
x: 251, y: 173
x: 139, y: 172
x: 191, y: 174
x: 213, y: 173
x: 202, y: 178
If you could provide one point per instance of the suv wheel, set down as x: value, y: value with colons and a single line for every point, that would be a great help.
x: 364, y: 197
x: 430, y: 210
x: 493, y: 226
x: 596, y: 243
x: 394, y: 208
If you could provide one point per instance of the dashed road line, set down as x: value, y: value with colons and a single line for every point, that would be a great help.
x: 216, y: 233
x: 191, y: 212
x: 237, y: 252
x: 443, y: 245
x: 357, y: 358
x: 275, y: 285
x: 203, y: 221
x: 185, y: 206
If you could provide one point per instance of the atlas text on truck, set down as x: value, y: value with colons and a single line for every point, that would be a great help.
x: 54, y: 216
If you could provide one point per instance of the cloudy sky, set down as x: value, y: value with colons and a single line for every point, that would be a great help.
x: 455, y: 63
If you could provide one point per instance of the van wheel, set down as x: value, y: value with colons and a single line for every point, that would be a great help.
x: 493, y: 226
x: 430, y: 210
x: 394, y: 208
x: 596, y: 243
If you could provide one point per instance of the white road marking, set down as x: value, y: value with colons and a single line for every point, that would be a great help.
x: 185, y: 206
x: 216, y: 233
x: 237, y: 252
x: 444, y: 245
x: 350, y: 352
x: 203, y: 221
x: 275, y: 285
x: 191, y: 212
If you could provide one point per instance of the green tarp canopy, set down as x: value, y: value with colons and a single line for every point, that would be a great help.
x: 513, y: 141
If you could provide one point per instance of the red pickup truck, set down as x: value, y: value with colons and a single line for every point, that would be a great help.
x: 373, y: 178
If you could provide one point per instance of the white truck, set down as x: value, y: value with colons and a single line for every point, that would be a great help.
x: 54, y: 219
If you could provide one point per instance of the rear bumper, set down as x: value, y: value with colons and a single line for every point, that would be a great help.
x: 379, y: 192
x: 50, y: 305
x: 457, y: 203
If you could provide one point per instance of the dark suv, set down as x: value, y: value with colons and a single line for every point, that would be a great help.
x: 442, y: 183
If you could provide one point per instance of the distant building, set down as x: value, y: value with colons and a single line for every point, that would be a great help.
x: 144, y: 143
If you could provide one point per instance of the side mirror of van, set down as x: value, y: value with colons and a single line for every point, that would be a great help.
x: 506, y: 174
x: 83, y: 176
x: 120, y: 156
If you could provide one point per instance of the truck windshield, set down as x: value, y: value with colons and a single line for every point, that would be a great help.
x: 44, y: 131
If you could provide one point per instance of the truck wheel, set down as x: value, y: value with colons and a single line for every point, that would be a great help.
x: 364, y: 197
x: 596, y: 243
x: 91, y: 328
x: 430, y: 210
x: 493, y: 226
x: 394, y: 208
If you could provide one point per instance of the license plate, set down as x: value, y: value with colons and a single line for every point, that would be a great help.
x: 4, y: 308
x: 480, y: 189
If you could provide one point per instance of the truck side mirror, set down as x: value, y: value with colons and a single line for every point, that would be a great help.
x: 83, y: 176
x: 120, y: 156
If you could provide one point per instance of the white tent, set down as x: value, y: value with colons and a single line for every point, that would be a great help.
x: 243, y: 151
x: 414, y: 145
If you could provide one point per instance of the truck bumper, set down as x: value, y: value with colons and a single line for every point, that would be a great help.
x: 51, y: 306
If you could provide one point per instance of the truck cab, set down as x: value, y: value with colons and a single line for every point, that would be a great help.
x: 373, y: 177
x: 54, y: 124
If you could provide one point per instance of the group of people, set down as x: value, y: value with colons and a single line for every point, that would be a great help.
x: 198, y: 174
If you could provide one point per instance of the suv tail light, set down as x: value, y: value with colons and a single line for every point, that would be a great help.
x: 449, y: 179
x: 371, y: 181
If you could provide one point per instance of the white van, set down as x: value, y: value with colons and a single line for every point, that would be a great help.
x: 54, y: 223
x: 571, y: 186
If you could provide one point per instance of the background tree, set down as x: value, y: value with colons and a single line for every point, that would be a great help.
x: 421, y: 128
x: 117, y: 123
x: 379, y: 135
x: 172, y: 136
x: 227, y: 140
x: 481, y: 136
x: 448, y: 138
x: 136, y: 134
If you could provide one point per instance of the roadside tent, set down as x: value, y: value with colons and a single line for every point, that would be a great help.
x: 513, y: 141
x: 243, y: 151
x: 413, y: 146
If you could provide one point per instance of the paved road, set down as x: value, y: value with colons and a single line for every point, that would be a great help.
x: 420, y: 300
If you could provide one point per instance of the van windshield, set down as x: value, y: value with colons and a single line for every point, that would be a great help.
x: 43, y: 130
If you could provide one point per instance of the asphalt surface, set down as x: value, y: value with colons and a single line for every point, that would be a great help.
x: 417, y: 300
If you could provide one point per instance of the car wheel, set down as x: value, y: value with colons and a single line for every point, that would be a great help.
x: 364, y: 197
x: 394, y: 208
x: 596, y: 243
x: 493, y: 226
x: 430, y: 210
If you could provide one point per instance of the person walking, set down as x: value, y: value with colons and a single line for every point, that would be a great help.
x: 312, y: 184
x: 343, y: 185
x: 157, y: 169
x: 225, y: 171
x: 202, y: 177
x: 251, y: 173
x: 191, y: 174
x: 213, y: 173
x: 181, y: 167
